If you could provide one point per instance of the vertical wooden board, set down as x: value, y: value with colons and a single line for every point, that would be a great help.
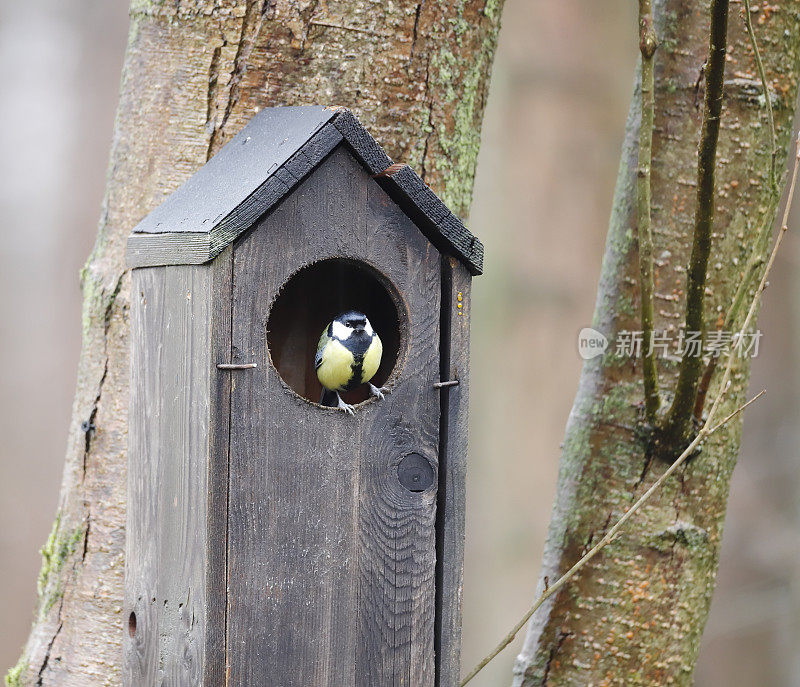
x: 219, y: 432
x: 140, y: 637
x: 456, y: 283
x: 292, y: 556
x: 183, y: 473
x: 169, y: 465
x: 396, y: 526
x: 330, y: 561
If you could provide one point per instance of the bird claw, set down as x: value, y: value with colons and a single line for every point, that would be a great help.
x: 378, y: 393
x: 346, y: 407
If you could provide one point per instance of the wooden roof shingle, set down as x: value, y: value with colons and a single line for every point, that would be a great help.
x: 261, y: 165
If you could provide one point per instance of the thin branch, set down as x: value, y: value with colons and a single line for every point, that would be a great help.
x: 756, y: 258
x: 736, y: 412
x: 648, y: 43
x: 680, y: 412
x: 773, y: 176
x: 705, y: 431
x: 702, y: 388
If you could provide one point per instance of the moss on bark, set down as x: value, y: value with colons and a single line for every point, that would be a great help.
x: 635, y: 614
x: 194, y: 74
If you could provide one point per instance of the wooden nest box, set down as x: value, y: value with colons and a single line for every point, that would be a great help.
x: 272, y: 541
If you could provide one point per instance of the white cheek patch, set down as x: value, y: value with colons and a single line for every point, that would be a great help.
x: 341, y: 331
x: 368, y: 328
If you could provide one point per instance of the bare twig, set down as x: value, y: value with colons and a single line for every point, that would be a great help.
x: 680, y: 412
x: 736, y: 412
x: 648, y: 43
x: 773, y: 176
x: 756, y: 259
x: 706, y: 430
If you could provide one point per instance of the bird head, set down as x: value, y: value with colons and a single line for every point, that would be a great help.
x: 349, y: 323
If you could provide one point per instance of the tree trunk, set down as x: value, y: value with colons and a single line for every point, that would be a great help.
x: 416, y: 74
x: 635, y: 614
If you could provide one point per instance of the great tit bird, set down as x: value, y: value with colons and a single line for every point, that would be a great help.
x: 348, y: 355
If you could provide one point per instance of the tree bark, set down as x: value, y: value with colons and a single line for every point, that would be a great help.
x: 415, y: 72
x: 635, y: 614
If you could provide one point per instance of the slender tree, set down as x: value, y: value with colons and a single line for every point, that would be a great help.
x: 417, y: 75
x: 635, y: 613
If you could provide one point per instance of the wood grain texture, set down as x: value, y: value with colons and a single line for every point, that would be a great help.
x: 140, y: 649
x: 451, y: 507
x: 359, y: 140
x: 194, y: 74
x: 331, y: 561
x: 172, y: 568
x: 395, y: 645
x: 216, y: 541
x: 446, y: 231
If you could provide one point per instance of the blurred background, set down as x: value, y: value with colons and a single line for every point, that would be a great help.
x: 552, y: 134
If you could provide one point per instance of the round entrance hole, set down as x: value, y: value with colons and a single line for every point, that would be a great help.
x: 307, y: 303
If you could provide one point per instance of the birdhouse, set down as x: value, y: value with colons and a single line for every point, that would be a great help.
x: 272, y: 540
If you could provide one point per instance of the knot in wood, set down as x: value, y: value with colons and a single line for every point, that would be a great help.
x: 415, y: 472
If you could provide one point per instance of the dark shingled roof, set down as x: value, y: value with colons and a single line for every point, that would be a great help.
x: 260, y: 166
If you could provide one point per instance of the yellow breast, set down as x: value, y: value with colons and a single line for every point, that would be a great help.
x: 372, y: 359
x: 337, y: 366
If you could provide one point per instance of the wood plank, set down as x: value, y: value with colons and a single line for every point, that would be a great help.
x: 168, y: 561
x: 396, y: 526
x: 183, y: 474
x: 178, y: 248
x: 219, y: 434
x: 140, y: 640
x: 331, y: 560
x: 451, y: 508
x: 361, y: 142
x: 291, y: 543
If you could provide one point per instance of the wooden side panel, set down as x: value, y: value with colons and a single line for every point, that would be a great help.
x: 140, y: 639
x: 167, y: 583
x: 456, y: 282
x: 330, y: 560
x: 217, y: 524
